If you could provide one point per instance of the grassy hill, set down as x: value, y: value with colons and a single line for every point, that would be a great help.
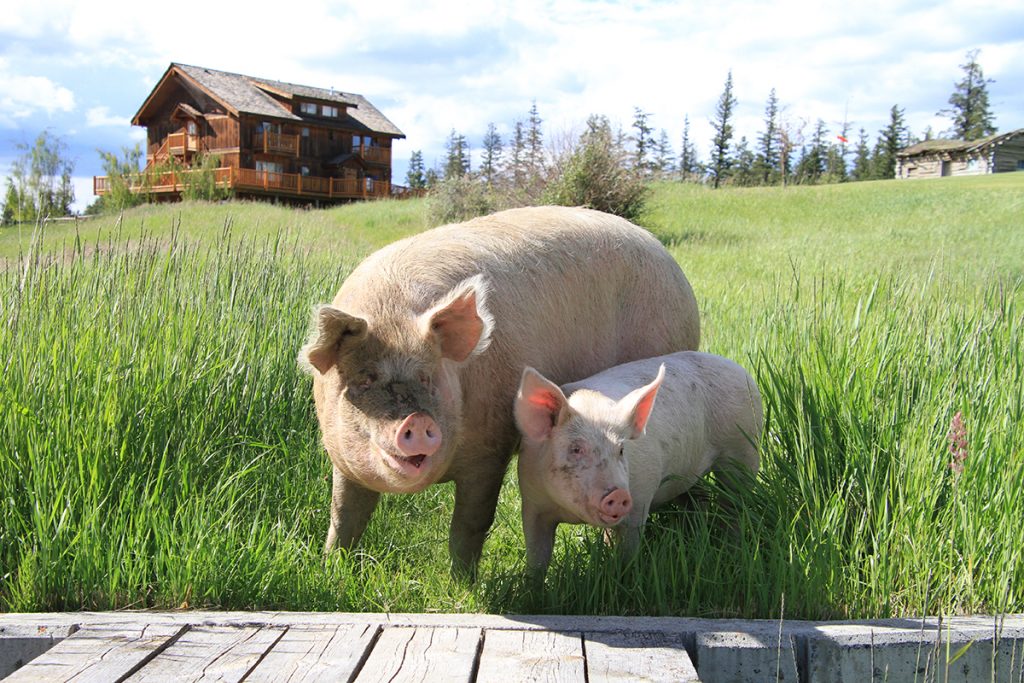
x: 158, y: 446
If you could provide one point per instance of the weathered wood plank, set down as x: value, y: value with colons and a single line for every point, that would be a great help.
x: 422, y: 654
x: 623, y: 657
x: 210, y: 653
x: 531, y: 656
x: 98, y: 654
x: 314, y: 654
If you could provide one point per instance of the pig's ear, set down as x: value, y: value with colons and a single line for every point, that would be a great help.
x: 459, y: 322
x: 540, y: 406
x: 333, y: 329
x: 636, y: 406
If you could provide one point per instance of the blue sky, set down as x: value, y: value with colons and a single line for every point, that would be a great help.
x: 81, y: 70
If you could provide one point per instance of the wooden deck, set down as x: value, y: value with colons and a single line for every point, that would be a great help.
x: 363, y: 649
x: 291, y: 646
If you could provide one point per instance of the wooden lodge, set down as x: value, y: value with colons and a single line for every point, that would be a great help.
x: 293, y: 143
x: 936, y: 158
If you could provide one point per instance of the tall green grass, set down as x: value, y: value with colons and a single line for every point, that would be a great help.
x: 158, y: 446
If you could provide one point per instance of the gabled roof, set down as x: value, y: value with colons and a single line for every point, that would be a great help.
x: 965, y: 146
x: 246, y: 94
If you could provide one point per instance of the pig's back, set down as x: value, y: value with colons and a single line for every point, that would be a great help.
x: 572, y: 291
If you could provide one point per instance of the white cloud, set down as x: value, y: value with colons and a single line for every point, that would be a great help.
x: 96, y: 117
x: 22, y: 95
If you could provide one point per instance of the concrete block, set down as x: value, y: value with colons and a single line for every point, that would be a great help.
x: 753, y: 656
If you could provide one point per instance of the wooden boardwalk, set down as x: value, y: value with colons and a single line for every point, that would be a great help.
x: 291, y: 646
x: 211, y: 647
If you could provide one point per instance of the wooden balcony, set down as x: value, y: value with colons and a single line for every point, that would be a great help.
x: 251, y: 181
x: 276, y: 143
x: 374, y: 154
x: 180, y: 144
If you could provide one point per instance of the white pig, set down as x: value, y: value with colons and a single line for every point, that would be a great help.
x: 416, y: 362
x: 599, y: 451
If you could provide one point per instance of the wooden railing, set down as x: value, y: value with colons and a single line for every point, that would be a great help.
x: 167, y: 181
x: 269, y: 182
x: 374, y: 154
x: 180, y: 143
x: 276, y: 143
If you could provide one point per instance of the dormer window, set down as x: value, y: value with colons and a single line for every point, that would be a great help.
x: 330, y: 111
x: 307, y: 108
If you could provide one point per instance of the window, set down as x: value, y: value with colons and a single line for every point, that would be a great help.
x: 305, y: 170
x: 1020, y: 164
x: 192, y: 128
x: 330, y: 111
x: 305, y: 132
x: 269, y: 166
x: 308, y: 108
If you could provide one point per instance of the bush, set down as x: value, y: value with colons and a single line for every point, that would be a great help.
x: 596, y: 174
x: 460, y: 198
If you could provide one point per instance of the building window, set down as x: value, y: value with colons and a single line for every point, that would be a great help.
x: 330, y: 111
x: 269, y: 166
x: 305, y: 132
x: 305, y: 170
x: 972, y: 164
x: 192, y: 128
x: 1020, y: 164
x: 308, y: 108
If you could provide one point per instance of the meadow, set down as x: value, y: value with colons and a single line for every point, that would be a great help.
x: 159, y: 449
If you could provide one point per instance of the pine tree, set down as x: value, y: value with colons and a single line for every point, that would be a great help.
x: 722, y: 124
x: 643, y: 142
x: 972, y: 118
x: 812, y: 162
x: 891, y: 140
x: 491, y: 160
x: 516, y: 161
x: 534, y: 142
x: 663, y: 157
x: 768, y: 153
x: 689, y: 166
x: 415, y: 178
x: 862, y: 157
x: 457, y: 164
x: 744, y: 173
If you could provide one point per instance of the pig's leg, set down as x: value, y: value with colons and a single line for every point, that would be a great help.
x: 627, y: 533
x: 351, y: 507
x: 539, y: 530
x: 476, y: 498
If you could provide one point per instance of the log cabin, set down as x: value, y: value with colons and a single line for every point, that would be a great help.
x: 277, y: 140
x: 935, y: 158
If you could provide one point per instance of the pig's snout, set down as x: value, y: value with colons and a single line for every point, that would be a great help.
x: 418, y: 435
x: 615, y: 505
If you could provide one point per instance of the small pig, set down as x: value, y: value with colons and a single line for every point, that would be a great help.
x: 605, y: 455
x: 416, y: 362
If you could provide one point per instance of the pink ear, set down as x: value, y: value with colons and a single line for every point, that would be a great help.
x: 335, y: 330
x: 460, y: 322
x: 540, y: 406
x: 639, y: 403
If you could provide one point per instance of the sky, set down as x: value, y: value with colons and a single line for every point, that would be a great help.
x: 82, y: 70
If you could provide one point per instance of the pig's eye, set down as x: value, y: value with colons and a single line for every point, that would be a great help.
x: 622, y: 450
x: 366, y: 381
x: 576, y: 448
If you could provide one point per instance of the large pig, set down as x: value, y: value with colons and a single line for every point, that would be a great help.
x: 416, y: 362
x: 606, y: 454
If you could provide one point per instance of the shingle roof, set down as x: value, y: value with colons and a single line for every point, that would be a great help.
x: 940, y: 145
x: 245, y: 94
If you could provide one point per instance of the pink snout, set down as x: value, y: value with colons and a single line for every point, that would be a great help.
x: 418, y: 435
x: 615, y: 505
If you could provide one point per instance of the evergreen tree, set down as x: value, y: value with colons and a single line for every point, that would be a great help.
x: 415, y: 178
x: 835, y: 161
x: 891, y: 140
x: 745, y: 172
x: 972, y: 118
x: 812, y: 161
x: 722, y: 124
x: 491, y: 160
x: 457, y: 164
x: 516, y: 161
x: 689, y: 166
x: 862, y: 157
x: 767, y: 164
x: 534, y: 142
x: 643, y: 142
x: 663, y: 157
